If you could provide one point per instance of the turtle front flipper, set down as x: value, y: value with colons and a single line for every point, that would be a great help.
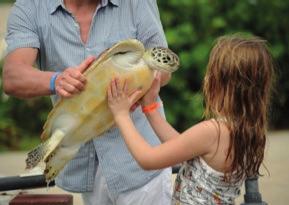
x: 130, y: 45
x: 126, y: 46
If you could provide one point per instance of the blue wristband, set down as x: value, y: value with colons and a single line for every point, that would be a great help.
x: 52, y: 82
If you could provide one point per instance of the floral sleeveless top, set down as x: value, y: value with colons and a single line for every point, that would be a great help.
x: 199, y: 184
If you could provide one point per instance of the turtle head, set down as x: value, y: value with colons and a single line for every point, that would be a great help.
x: 161, y: 59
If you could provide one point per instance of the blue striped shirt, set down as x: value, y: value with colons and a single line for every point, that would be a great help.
x: 48, y: 26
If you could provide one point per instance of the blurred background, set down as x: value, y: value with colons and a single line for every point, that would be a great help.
x: 191, y: 26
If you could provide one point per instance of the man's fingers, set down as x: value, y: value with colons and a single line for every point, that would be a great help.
x: 63, y: 93
x: 70, y: 88
x: 85, y: 64
x: 78, y: 75
x: 75, y: 82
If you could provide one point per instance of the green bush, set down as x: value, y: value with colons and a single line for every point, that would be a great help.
x: 6, y: 1
x: 21, y: 121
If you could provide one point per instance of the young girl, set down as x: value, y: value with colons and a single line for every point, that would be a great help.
x: 220, y: 152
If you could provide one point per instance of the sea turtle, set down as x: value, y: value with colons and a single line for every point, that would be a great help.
x: 74, y: 121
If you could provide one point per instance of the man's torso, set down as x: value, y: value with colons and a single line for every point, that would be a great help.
x: 56, y: 33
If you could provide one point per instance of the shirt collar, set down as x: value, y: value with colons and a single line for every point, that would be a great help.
x: 55, y: 4
x: 113, y: 2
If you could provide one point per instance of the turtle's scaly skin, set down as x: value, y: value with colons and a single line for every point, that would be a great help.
x: 77, y: 120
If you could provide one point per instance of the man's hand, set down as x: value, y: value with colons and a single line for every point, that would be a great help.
x: 72, y: 81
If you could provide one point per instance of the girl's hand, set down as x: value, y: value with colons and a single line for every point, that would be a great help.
x: 152, y: 94
x: 119, y: 101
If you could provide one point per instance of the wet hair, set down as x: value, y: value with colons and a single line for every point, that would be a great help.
x: 237, y: 88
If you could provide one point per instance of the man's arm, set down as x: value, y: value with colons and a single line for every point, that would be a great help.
x: 22, y: 80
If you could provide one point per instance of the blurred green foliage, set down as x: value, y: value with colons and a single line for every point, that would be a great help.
x: 191, y: 27
x: 21, y: 121
x: 6, y: 1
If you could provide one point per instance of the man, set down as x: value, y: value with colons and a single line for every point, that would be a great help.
x: 61, y: 36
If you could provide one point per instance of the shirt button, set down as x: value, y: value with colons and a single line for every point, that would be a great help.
x: 91, y: 155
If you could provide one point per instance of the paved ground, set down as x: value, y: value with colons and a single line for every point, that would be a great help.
x: 274, y: 187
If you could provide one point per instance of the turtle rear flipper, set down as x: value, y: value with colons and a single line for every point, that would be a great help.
x: 35, y: 156
x: 58, y: 159
x: 44, y: 150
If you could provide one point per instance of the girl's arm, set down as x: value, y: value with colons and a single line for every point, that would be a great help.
x: 161, y: 127
x: 196, y: 141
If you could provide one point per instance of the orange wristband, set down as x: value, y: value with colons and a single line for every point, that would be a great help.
x: 151, y: 107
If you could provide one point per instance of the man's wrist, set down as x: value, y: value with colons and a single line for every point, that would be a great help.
x: 52, y: 82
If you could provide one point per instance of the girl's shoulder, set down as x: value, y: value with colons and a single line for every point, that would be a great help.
x: 214, y: 127
x: 207, y: 134
x: 216, y: 157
